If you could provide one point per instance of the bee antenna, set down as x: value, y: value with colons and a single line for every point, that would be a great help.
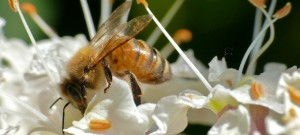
x: 55, y: 102
x: 63, y: 118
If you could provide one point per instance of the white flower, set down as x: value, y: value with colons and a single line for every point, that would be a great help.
x: 288, y: 91
x: 232, y: 122
x: 117, y: 107
x: 220, y: 74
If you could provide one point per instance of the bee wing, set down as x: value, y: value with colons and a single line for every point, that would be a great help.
x: 118, y: 36
x: 116, y: 18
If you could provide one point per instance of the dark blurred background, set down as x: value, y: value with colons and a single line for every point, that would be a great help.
x: 220, y: 28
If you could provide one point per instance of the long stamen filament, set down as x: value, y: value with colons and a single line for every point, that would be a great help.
x: 259, y: 43
x: 88, y: 18
x: 29, y: 8
x: 106, y: 6
x: 165, y: 21
x: 265, y: 46
x: 182, y: 54
x: 180, y: 36
x: 38, y: 51
x: 250, y: 48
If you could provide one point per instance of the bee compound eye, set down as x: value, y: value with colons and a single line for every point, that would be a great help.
x: 73, y: 91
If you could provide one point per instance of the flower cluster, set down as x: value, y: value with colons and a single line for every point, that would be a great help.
x: 226, y: 99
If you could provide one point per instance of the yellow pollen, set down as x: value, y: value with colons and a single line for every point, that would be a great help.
x: 257, y: 91
x: 99, y: 125
x: 290, y: 116
x: 189, y: 96
x: 258, y: 3
x: 182, y: 35
x: 144, y: 2
x: 294, y: 94
x: 12, y: 4
x: 29, y: 8
x: 284, y: 11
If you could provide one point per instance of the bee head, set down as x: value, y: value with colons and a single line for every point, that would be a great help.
x: 75, y: 93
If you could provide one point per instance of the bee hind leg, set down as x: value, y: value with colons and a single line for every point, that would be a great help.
x: 136, y: 90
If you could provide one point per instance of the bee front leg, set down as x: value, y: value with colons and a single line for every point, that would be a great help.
x: 108, y: 75
x: 136, y: 90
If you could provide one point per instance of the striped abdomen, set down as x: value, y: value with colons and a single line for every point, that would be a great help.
x: 144, y: 62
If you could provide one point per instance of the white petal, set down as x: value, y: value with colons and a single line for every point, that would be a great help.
x: 116, y: 106
x: 232, y: 122
x: 243, y: 95
x: 170, y: 112
x: 181, y: 69
x: 216, y: 68
x: 153, y: 93
x: 170, y: 116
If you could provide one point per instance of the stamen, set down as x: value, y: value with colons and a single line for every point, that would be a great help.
x: 106, y: 6
x: 284, y: 11
x: 28, y: 7
x: 180, y: 36
x: 88, y: 18
x: 257, y: 91
x: 265, y: 46
x: 181, y: 53
x: 271, y: 24
x: 38, y: 51
x: 165, y: 21
x: 258, y: 3
x: 31, y: 10
x: 278, y: 15
x: 292, y: 114
x: 99, y: 125
x: 257, y: 28
x: 12, y: 5
x: 294, y: 94
x: 144, y: 2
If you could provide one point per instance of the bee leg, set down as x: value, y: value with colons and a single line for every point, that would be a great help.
x: 63, y: 118
x: 136, y: 90
x: 108, y: 75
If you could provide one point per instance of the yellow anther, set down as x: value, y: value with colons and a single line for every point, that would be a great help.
x: 99, y: 125
x: 144, y: 2
x: 290, y: 116
x: 258, y: 3
x: 28, y: 7
x: 294, y: 94
x: 12, y: 4
x: 257, y: 91
x: 182, y: 35
x: 284, y: 11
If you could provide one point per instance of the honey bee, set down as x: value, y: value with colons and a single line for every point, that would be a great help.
x: 114, y: 52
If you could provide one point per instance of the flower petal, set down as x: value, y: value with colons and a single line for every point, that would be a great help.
x: 116, y: 106
x: 232, y: 122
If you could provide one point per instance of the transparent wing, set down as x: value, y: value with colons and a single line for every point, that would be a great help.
x: 112, y: 22
x: 118, y: 36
